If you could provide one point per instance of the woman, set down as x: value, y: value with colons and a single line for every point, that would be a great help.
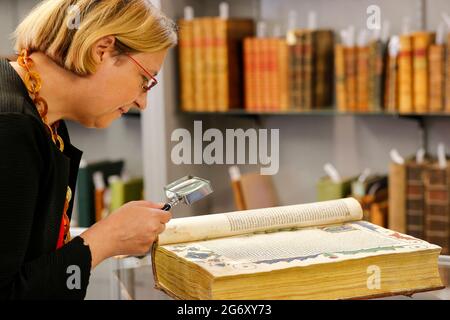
x: 91, y: 68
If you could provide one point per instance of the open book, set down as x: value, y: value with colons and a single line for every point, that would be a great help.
x: 312, y: 251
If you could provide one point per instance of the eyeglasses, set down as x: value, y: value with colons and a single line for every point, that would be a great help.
x: 150, y: 82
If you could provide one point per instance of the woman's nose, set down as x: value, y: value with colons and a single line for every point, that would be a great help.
x: 142, y: 102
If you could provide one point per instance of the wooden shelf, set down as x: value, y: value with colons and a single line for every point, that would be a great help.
x: 323, y: 112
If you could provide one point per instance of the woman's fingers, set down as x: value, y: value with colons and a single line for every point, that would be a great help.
x: 147, y: 204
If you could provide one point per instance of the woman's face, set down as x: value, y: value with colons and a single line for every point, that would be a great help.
x: 117, y: 85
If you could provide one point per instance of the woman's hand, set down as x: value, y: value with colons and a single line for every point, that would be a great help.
x: 130, y: 230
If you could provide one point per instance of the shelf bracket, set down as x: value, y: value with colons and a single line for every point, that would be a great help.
x: 423, y: 129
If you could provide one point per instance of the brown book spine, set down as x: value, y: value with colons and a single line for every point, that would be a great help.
x: 221, y: 65
x: 199, y: 66
x: 308, y: 69
x: 405, y: 75
x: 272, y: 74
x: 376, y: 75
x: 350, y: 77
x: 258, y: 74
x: 339, y: 70
x: 391, y: 84
x: 295, y: 50
x: 99, y: 205
x: 421, y: 43
x: 291, y: 72
x: 210, y: 70
x: 265, y: 87
x: 186, y: 61
x: 437, y: 206
x: 379, y: 213
x: 362, y: 79
x: 249, y: 74
x: 230, y: 35
x: 415, y: 202
x: 397, y: 197
x: 436, y: 77
x: 323, y: 68
x: 238, y: 195
x: 447, y: 75
x: 283, y: 75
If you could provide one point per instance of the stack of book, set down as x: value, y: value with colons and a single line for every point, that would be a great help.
x: 416, y: 77
x: 210, y: 57
x: 419, y: 201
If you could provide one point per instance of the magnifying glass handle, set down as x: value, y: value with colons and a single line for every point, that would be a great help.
x: 166, y: 207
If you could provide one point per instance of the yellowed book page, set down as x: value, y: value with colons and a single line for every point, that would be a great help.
x: 276, y: 218
x: 263, y: 252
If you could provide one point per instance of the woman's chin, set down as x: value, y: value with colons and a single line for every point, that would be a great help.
x: 105, y: 122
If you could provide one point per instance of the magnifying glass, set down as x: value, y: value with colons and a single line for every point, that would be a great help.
x: 187, y: 190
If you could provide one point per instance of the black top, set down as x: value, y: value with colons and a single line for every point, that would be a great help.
x: 34, y: 175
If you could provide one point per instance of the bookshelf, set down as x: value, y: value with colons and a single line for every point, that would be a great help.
x: 323, y: 112
x: 350, y: 140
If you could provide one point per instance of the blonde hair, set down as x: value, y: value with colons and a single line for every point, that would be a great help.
x: 136, y: 24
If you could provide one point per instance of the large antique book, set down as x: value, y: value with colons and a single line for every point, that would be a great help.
x: 310, y: 251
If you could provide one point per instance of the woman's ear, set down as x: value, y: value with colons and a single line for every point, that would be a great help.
x: 104, y: 46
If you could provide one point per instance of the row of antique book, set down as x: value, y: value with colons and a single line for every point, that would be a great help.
x: 406, y: 75
x: 224, y: 66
